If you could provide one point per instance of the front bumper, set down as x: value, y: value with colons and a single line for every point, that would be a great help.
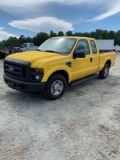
x: 23, y: 86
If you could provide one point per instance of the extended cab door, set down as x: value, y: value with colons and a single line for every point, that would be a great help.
x: 81, y: 67
x: 95, y: 57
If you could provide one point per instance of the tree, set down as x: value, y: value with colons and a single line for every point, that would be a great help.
x: 60, y: 33
x: 40, y: 38
x: 111, y: 35
x: 117, y: 38
x: 69, y: 33
x: 78, y: 34
x: 22, y: 39
x: 52, y: 34
x: 4, y: 43
x: 28, y: 39
x: 105, y: 34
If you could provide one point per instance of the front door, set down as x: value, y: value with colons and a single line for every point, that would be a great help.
x: 81, y: 67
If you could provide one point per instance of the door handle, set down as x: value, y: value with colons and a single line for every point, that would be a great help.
x: 90, y: 59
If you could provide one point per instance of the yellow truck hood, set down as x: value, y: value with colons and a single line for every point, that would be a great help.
x: 35, y: 57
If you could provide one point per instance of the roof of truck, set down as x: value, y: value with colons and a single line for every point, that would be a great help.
x: 76, y: 37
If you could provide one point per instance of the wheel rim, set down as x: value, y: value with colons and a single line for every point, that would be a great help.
x: 106, y: 71
x: 57, y: 87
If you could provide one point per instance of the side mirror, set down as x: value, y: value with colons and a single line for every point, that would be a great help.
x: 78, y: 54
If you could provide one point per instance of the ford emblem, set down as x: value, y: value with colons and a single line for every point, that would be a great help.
x: 11, y: 69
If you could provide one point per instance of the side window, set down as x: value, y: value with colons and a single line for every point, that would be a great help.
x: 31, y: 45
x: 83, y: 46
x: 24, y: 45
x: 93, y: 45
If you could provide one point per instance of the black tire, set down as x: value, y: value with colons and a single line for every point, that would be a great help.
x: 55, y: 87
x: 104, y: 72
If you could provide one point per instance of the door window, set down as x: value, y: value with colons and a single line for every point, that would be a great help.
x: 93, y: 45
x: 83, y: 46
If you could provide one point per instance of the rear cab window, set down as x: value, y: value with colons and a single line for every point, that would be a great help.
x: 93, y: 47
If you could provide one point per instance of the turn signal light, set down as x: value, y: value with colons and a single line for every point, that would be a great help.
x: 39, y: 70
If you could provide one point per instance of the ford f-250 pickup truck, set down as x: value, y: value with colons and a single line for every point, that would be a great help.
x: 58, y: 62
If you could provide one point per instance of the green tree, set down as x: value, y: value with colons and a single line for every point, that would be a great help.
x: 105, y: 34
x: 22, y: 39
x: 40, y: 38
x: 4, y: 43
x: 52, y: 34
x: 60, y: 33
x: 69, y: 33
x: 117, y: 38
x: 28, y: 39
x: 79, y: 34
x: 111, y: 34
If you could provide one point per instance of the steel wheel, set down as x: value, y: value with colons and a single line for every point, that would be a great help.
x: 57, y: 87
x: 105, y: 71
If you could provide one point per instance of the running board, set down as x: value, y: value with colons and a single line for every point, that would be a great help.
x: 83, y: 79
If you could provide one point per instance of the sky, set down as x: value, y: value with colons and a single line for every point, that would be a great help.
x: 28, y: 17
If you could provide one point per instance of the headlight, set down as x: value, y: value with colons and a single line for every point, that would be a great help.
x: 37, y: 74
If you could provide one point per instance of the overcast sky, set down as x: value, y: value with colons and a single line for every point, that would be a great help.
x: 28, y: 17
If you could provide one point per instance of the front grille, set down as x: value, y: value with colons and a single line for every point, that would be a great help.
x: 17, y: 69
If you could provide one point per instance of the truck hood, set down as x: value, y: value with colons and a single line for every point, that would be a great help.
x: 35, y: 57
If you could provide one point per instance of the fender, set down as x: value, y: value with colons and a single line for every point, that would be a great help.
x: 103, y: 61
x: 53, y: 70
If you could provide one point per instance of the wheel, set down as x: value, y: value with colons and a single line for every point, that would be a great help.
x: 55, y: 87
x: 105, y: 71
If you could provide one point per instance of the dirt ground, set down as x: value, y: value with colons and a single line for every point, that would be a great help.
x: 82, y: 125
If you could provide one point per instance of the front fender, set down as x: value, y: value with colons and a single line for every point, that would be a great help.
x: 52, y: 70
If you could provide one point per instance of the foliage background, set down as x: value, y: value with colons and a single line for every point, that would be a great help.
x: 42, y: 36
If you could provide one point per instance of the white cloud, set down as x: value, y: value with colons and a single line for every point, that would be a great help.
x: 26, y: 3
x: 27, y: 7
x: 4, y: 35
x: 30, y: 7
x: 45, y: 24
x: 115, y: 9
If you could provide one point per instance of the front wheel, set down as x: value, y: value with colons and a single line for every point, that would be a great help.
x: 55, y: 87
x: 105, y: 71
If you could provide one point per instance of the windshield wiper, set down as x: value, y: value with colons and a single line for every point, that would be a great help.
x: 49, y: 51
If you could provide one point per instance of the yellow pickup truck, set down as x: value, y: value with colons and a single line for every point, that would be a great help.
x: 57, y: 63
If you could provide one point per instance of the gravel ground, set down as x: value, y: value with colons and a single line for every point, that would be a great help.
x: 82, y: 125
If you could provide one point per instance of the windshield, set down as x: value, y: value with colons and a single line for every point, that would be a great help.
x: 24, y: 45
x: 58, y: 45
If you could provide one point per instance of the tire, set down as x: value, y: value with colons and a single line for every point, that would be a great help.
x: 104, y: 72
x: 55, y: 87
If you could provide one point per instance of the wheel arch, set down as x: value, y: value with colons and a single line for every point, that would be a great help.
x: 61, y: 72
x: 108, y: 62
